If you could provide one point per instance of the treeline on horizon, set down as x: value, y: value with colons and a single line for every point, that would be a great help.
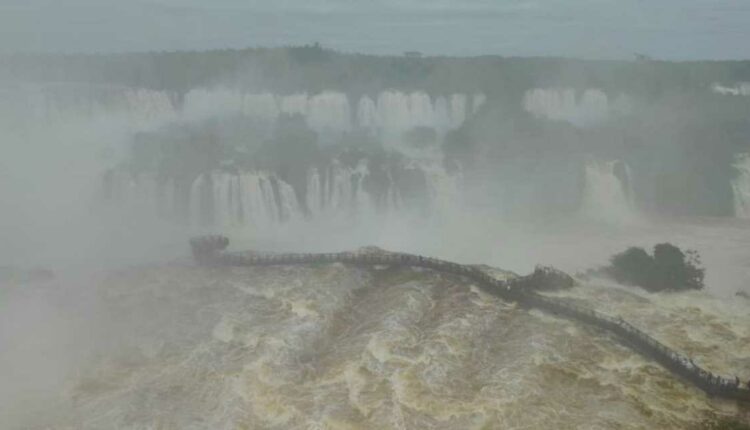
x: 314, y: 68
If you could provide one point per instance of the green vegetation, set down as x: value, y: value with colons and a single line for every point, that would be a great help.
x: 314, y: 68
x: 669, y: 269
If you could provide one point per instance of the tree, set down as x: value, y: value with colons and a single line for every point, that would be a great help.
x: 633, y: 267
x: 669, y: 269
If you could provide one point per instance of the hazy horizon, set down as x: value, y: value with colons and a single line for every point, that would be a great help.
x: 591, y: 29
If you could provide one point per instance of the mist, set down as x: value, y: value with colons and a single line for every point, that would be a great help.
x: 467, y: 132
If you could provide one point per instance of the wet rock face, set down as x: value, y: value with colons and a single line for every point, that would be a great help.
x: 546, y: 278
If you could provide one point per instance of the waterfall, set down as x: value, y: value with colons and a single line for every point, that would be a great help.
x: 390, y: 112
x: 393, y: 201
x: 268, y: 199
x: 248, y: 185
x: 262, y: 200
x: 343, y: 192
x: 741, y: 186
x: 367, y: 114
x: 314, y: 193
x: 387, y: 111
x: 221, y: 198
x: 739, y: 89
x: 398, y: 112
x: 458, y: 110
x: 364, y: 205
x: 563, y: 104
x: 607, y: 196
x: 225, y: 199
x: 340, y: 192
x: 289, y: 209
x: 421, y: 110
x: 257, y: 200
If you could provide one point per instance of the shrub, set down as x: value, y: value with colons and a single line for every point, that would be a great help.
x: 669, y: 269
x: 633, y: 267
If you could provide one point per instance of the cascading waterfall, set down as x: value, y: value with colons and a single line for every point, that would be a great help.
x: 258, y: 204
x: 339, y: 192
x: 367, y: 113
x: 220, y: 198
x: 738, y: 89
x: 565, y: 104
x: 261, y: 199
x: 607, y: 196
x: 256, y: 197
x: 223, y: 201
x: 314, y: 193
x: 741, y: 186
x: 268, y: 199
x: 288, y: 204
x: 330, y: 111
x: 363, y: 202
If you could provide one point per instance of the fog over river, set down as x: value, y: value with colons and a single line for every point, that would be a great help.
x: 106, y: 322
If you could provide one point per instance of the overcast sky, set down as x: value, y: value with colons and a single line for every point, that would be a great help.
x: 666, y: 29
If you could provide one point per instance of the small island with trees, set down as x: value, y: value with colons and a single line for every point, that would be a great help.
x: 667, y: 269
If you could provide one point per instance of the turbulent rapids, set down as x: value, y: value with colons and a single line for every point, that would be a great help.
x: 207, y: 250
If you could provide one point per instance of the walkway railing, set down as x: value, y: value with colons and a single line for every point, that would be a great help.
x: 209, y: 250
